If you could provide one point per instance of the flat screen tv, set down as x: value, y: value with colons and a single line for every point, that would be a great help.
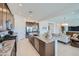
x: 73, y: 28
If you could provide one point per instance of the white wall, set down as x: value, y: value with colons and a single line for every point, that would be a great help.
x: 43, y: 27
x: 20, y: 26
x: 70, y: 19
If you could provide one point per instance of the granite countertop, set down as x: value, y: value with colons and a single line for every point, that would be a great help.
x: 46, y: 40
x: 7, y: 48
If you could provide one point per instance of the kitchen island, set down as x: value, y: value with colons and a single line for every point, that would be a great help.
x: 44, y: 46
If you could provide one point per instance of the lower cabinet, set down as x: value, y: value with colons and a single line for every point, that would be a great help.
x: 31, y: 39
x: 46, y: 49
x: 43, y: 48
x: 36, y: 42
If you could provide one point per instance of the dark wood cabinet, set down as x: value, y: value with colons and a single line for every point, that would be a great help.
x: 36, y: 42
x: 41, y: 48
x: 31, y: 39
x: 32, y: 28
x: 5, y: 15
x: 1, y: 14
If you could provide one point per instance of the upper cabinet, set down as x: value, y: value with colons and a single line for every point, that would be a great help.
x: 6, y: 17
x: 1, y: 6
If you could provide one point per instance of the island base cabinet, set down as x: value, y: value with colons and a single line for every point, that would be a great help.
x: 49, y: 49
x: 43, y: 48
x: 46, y: 49
x: 36, y: 41
x: 31, y: 39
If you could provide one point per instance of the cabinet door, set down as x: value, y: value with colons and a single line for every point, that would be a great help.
x: 1, y: 15
x: 12, y: 21
x: 31, y: 39
x: 41, y: 48
x: 36, y: 41
x: 4, y: 20
x: 49, y: 50
x: 4, y: 16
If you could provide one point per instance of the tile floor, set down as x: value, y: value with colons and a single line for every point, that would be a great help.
x: 24, y: 48
x: 67, y: 50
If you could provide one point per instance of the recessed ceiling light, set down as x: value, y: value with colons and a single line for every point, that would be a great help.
x: 30, y: 11
x: 20, y: 4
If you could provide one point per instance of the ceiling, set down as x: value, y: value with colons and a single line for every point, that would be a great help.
x: 42, y: 11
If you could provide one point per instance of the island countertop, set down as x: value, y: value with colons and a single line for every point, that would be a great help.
x: 46, y: 40
x: 8, y: 47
